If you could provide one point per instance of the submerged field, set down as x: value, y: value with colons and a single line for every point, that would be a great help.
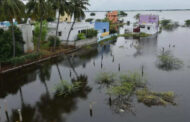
x: 33, y: 90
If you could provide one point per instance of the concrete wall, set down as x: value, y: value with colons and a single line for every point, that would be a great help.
x: 65, y: 27
x: 149, y: 28
x: 27, y: 37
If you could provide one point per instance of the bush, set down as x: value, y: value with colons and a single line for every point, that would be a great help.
x: 6, y: 43
x: 22, y: 59
x: 91, y: 33
x: 187, y: 23
x: 81, y: 36
x: 37, y: 31
x: 169, y: 25
x: 92, y: 14
x: 89, y: 20
x: 123, y: 14
x: 51, y: 40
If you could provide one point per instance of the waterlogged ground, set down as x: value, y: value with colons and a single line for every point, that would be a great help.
x: 32, y: 89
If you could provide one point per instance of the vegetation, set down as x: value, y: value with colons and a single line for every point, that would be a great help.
x: 136, y: 35
x: 22, y: 59
x: 65, y: 88
x: 7, y: 45
x: 105, y: 79
x: 92, y: 14
x: 89, y: 20
x: 137, y: 16
x: 81, y: 36
x: 40, y: 31
x: 12, y: 9
x: 152, y: 98
x: 168, y: 24
x: 113, y: 38
x: 90, y: 33
x: 123, y: 14
x: 51, y: 40
x: 187, y: 23
x: 166, y: 61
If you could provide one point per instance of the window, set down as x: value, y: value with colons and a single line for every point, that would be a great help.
x: 148, y: 28
x: 60, y: 33
x: 142, y: 26
x: 104, y: 30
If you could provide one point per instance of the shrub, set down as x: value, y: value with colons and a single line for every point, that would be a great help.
x: 105, y: 79
x: 92, y: 14
x: 91, y: 33
x: 123, y: 14
x: 51, y: 40
x: 81, y: 36
x: 89, y: 20
x: 6, y: 43
x: 187, y: 23
x: 168, y: 24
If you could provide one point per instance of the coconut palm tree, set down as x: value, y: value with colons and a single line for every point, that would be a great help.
x: 12, y: 9
x: 77, y: 12
x: 62, y: 7
x: 38, y: 10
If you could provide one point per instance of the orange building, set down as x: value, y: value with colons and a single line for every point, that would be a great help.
x: 113, y: 16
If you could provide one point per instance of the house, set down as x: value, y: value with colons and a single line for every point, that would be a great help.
x: 102, y: 28
x: 65, y: 18
x: 149, y: 24
x: 65, y: 27
x: 112, y: 16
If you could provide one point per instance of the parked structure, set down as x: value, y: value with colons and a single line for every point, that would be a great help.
x: 64, y: 28
x: 149, y: 24
x: 112, y: 16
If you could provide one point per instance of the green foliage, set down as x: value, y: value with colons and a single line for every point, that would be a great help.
x: 166, y: 61
x: 137, y: 16
x: 91, y: 33
x: 135, y: 35
x: 81, y: 36
x: 187, y: 23
x: 168, y: 24
x: 105, y: 79
x: 51, y: 40
x: 22, y: 59
x: 123, y: 14
x: 37, y: 31
x: 6, y: 43
x: 89, y: 20
x: 65, y: 88
x: 92, y: 14
x: 152, y: 98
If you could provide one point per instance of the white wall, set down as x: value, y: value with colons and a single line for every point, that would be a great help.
x: 27, y: 37
x: 153, y: 29
x: 65, y: 27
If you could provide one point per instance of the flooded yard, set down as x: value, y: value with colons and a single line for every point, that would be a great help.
x: 33, y: 89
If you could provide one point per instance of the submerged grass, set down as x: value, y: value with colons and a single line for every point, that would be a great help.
x: 105, y: 79
x: 136, y: 35
x: 150, y: 98
x: 167, y: 61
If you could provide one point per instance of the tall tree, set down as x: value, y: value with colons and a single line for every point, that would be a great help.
x: 12, y: 9
x: 77, y: 11
x: 38, y: 10
x: 62, y: 8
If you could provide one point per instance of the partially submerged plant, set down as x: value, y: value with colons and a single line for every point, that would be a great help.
x: 150, y: 98
x: 105, y: 79
x: 65, y: 88
x: 167, y: 61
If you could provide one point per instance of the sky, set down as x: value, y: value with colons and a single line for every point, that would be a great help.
x: 138, y: 4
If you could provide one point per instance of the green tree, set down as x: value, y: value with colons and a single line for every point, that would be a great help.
x: 39, y: 10
x: 62, y: 7
x: 12, y: 9
x: 187, y: 23
x: 77, y: 12
x: 137, y: 16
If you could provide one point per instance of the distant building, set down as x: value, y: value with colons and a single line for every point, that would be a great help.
x: 149, y: 24
x: 65, y: 18
x: 64, y: 28
x: 112, y: 16
x: 102, y: 28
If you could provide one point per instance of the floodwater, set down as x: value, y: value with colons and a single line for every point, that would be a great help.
x: 32, y: 89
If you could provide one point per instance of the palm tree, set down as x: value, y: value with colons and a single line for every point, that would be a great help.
x: 38, y: 10
x: 62, y: 7
x: 12, y: 9
x: 77, y: 12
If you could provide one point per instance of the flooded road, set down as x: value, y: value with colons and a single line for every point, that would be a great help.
x: 33, y: 89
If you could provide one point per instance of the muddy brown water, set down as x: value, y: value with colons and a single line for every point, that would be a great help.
x: 32, y: 89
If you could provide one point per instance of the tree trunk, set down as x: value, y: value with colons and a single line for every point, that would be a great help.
x: 13, y: 37
x: 40, y: 35
x: 70, y: 31
x: 59, y: 72
x: 54, y: 46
